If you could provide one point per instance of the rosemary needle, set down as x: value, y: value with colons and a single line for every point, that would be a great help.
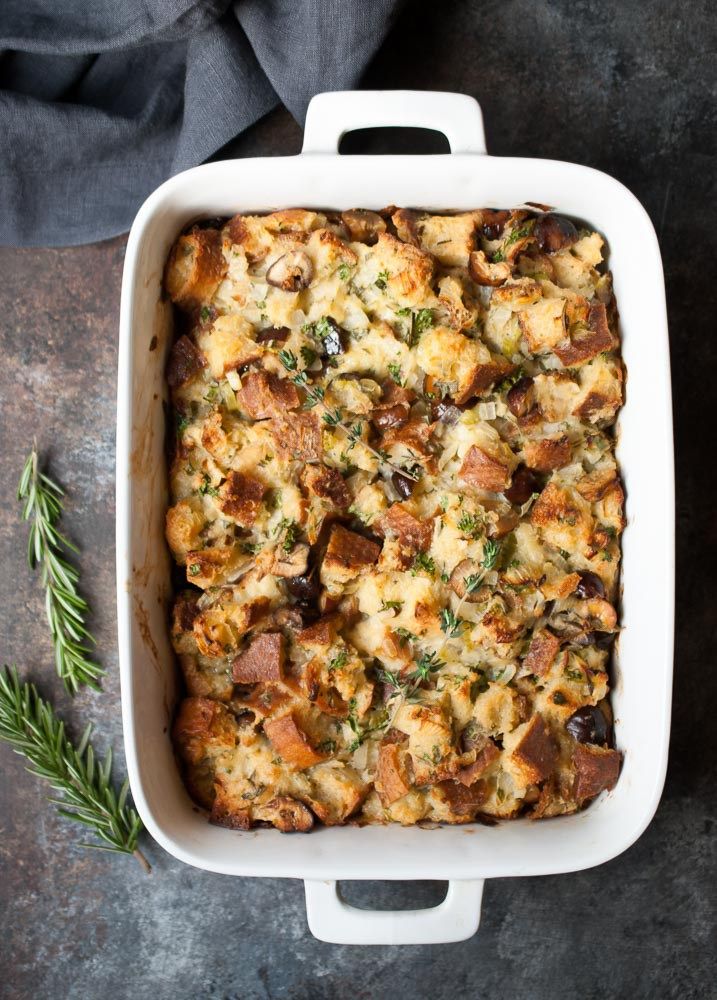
x: 66, y: 609
x: 30, y: 726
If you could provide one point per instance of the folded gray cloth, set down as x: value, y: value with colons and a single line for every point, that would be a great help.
x: 101, y: 101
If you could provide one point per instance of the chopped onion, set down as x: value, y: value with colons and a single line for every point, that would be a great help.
x: 487, y: 411
x: 360, y: 757
x: 234, y: 379
x: 502, y: 675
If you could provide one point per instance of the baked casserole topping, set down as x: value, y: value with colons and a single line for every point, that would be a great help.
x: 396, y: 504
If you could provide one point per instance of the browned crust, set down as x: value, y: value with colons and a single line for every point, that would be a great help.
x: 413, y: 534
x: 596, y: 769
x: 349, y: 550
x: 298, y: 437
x: 195, y: 267
x: 263, y: 394
x: 536, y: 753
x: 202, y: 722
x: 327, y: 484
x: 240, y: 498
x: 392, y: 781
x: 587, y: 343
x: 185, y: 361
x: 481, y: 470
x: 547, y: 454
x: 543, y: 649
x: 291, y: 742
x: 469, y: 774
x: 262, y: 660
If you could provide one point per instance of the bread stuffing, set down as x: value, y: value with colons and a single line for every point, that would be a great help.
x: 396, y: 511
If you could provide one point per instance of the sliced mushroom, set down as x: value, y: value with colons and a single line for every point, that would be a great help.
x: 291, y: 564
x: 484, y: 272
x: 554, y: 232
x: 291, y: 272
x: 363, y: 226
x: 521, y: 397
x: 465, y: 569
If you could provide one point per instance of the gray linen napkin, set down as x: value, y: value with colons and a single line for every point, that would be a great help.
x: 101, y: 100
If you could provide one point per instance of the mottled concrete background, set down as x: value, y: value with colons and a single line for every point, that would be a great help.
x: 628, y: 88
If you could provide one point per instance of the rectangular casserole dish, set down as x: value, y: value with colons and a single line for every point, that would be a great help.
x: 642, y: 672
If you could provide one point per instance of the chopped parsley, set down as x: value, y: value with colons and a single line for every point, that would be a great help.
x: 344, y: 272
x: 471, y: 525
x: 339, y: 661
x: 194, y: 569
x: 391, y: 605
x: 382, y: 280
x: 206, y: 488
x: 394, y: 370
x: 423, y: 562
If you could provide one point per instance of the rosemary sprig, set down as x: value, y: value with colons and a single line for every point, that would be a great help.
x: 66, y: 609
x: 88, y: 796
x: 333, y: 418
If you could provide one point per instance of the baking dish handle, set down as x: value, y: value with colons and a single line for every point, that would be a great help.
x: 332, y: 115
x: 455, y: 919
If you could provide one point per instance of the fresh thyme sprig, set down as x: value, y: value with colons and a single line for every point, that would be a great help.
x: 32, y: 729
x: 66, y: 609
x: 333, y: 418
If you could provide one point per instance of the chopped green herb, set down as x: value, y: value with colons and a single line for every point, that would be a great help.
x: 391, y: 605
x: 450, y: 624
x: 308, y: 356
x: 206, y: 488
x: 382, y: 280
x: 394, y: 370
x: 344, y: 272
x: 194, y: 569
x: 339, y: 661
x: 423, y: 562
x: 471, y: 525
x: 204, y: 314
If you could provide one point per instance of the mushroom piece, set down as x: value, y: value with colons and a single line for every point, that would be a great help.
x: 590, y: 585
x: 465, y: 569
x: 484, y: 272
x: 304, y: 587
x: 523, y: 485
x: 588, y: 725
x: 363, y: 226
x: 521, y: 397
x: 291, y: 564
x: 554, y: 232
x: 403, y: 485
x: 291, y: 272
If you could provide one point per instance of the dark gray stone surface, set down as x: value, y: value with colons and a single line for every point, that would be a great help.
x: 626, y: 87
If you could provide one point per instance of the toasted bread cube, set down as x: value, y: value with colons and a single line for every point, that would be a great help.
x: 291, y: 743
x: 596, y: 769
x: 547, y: 453
x: 228, y: 344
x: 195, y: 267
x: 203, y: 728
x: 262, y: 660
x: 392, y: 781
x: 485, y: 472
x: 264, y: 395
x: 533, y: 750
x: 543, y: 649
x: 185, y: 361
x: 240, y: 498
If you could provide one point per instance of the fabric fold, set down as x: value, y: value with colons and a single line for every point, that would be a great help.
x: 100, y: 103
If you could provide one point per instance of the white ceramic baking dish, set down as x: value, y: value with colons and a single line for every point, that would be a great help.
x: 464, y: 855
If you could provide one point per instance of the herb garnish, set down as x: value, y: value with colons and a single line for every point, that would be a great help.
x: 66, y: 609
x: 32, y: 729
